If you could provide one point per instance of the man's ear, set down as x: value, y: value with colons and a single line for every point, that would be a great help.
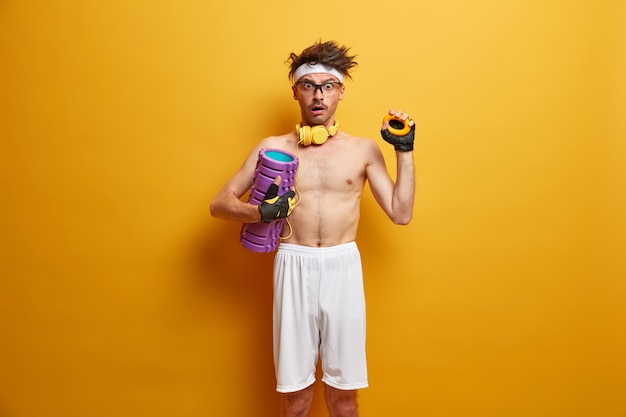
x: 294, y: 90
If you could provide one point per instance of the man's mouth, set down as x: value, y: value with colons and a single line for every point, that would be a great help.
x: 317, y: 108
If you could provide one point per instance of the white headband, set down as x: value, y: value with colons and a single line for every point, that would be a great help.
x: 305, y: 69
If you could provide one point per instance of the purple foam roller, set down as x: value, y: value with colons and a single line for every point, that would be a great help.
x: 264, y: 237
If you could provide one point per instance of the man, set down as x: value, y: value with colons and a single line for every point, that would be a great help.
x: 319, y: 305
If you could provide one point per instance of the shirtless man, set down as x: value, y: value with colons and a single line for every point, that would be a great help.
x: 319, y: 304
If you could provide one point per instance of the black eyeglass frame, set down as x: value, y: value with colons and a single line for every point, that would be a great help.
x: 320, y: 86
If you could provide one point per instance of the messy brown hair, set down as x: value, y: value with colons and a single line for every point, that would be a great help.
x: 329, y: 54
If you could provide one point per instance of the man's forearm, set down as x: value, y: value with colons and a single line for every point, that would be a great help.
x: 229, y: 207
x: 404, y: 190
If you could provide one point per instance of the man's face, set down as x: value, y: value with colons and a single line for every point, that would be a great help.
x: 318, y: 95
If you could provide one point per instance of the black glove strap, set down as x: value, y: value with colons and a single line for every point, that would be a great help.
x: 400, y: 143
x: 274, y: 207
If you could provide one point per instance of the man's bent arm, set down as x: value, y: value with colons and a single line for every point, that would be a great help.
x: 396, y: 199
x: 227, y: 205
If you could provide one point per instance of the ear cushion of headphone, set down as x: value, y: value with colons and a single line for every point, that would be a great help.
x: 305, y: 135
x: 319, y: 134
x: 332, y: 131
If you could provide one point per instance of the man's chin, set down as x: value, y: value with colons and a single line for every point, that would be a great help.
x: 318, y: 119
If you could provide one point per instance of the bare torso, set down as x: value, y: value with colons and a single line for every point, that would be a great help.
x: 329, y: 184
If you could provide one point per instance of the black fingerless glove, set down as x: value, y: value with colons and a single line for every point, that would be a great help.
x: 276, y: 207
x: 400, y: 143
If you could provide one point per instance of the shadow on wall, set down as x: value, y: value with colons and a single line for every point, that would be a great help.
x: 222, y: 269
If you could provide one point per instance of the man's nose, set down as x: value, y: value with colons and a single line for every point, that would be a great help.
x: 321, y: 93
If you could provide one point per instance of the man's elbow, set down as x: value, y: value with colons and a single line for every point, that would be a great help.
x: 214, y: 209
x: 402, y: 220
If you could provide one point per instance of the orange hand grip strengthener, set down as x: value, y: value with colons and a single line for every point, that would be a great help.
x: 397, y: 126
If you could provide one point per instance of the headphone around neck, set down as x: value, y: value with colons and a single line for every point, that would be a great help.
x: 315, y: 135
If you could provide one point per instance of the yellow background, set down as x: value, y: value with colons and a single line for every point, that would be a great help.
x: 120, y: 120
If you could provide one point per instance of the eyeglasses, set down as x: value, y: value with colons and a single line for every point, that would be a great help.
x: 328, y: 89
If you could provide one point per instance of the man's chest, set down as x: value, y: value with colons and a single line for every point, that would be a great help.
x: 330, y: 172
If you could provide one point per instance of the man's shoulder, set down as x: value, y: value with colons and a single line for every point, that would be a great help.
x: 358, y: 141
x: 351, y: 137
x: 278, y: 140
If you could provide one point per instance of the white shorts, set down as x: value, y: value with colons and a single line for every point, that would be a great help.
x: 319, y: 309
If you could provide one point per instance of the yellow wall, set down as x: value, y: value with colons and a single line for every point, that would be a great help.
x: 119, y: 121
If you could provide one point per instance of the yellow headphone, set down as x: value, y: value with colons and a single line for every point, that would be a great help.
x: 315, y: 135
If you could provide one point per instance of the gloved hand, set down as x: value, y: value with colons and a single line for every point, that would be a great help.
x: 274, y: 206
x: 400, y: 143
